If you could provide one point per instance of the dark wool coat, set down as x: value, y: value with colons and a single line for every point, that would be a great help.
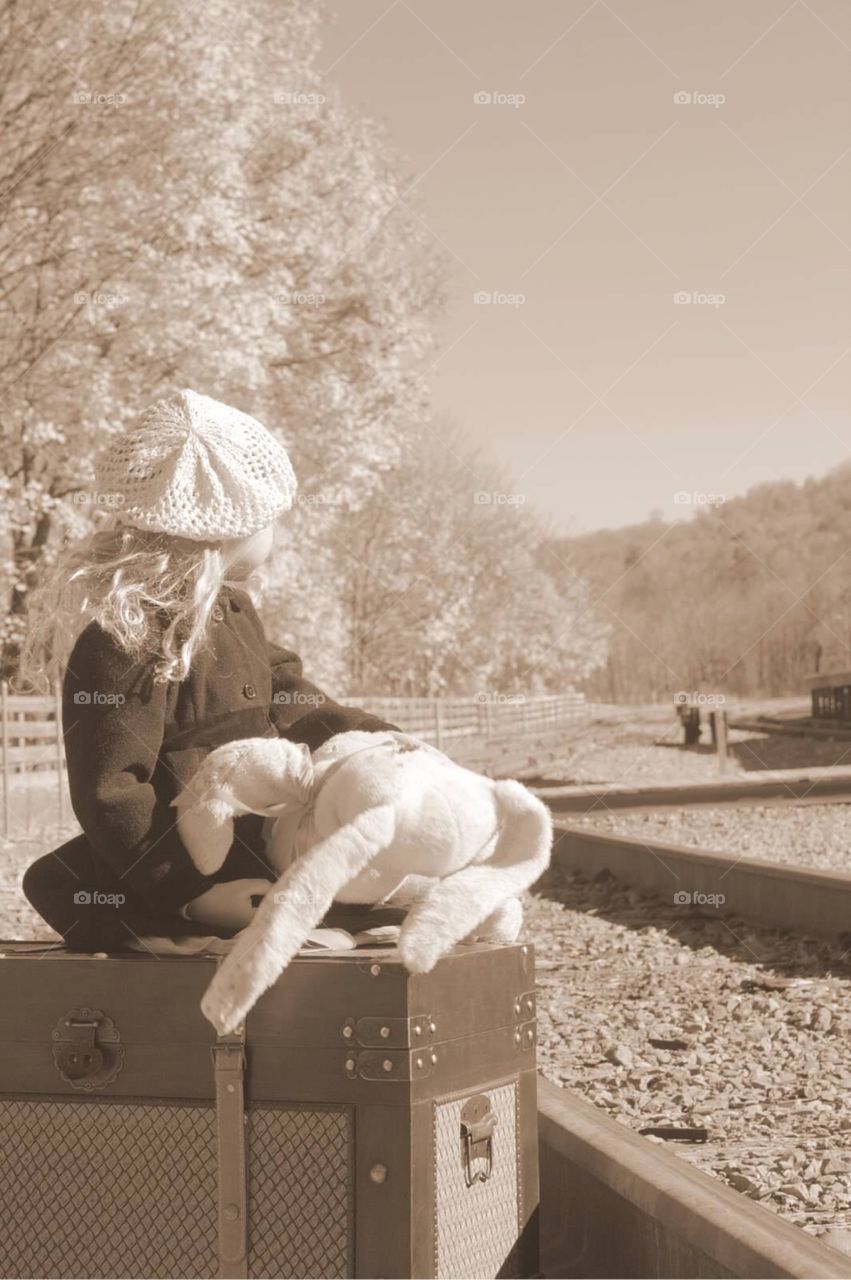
x: 131, y: 745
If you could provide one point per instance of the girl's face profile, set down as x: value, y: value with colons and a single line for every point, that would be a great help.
x: 243, y: 555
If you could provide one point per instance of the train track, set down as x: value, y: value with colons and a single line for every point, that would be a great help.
x: 831, y: 784
x: 614, y: 1205
x: 624, y: 994
x: 773, y: 894
x: 800, y: 727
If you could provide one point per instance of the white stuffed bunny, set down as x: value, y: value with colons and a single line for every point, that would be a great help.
x: 368, y: 818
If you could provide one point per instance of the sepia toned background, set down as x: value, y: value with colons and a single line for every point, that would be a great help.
x: 658, y: 149
x: 502, y: 279
x: 550, y: 305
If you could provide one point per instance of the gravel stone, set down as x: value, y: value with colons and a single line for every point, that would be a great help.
x: 811, y: 835
x: 764, y: 1071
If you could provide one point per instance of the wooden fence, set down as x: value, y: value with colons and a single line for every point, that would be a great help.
x: 455, y: 723
x: 31, y: 741
x: 481, y: 730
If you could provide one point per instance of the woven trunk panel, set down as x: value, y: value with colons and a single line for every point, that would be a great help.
x: 98, y: 1189
x: 300, y: 1193
x: 94, y: 1190
x: 476, y: 1228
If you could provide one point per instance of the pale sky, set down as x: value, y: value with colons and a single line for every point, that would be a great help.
x: 597, y: 199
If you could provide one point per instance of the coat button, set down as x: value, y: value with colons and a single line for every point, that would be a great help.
x: 249, y: 691
x: 218, y: 613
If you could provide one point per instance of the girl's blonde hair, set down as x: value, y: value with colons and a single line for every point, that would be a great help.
x: 153, y: 592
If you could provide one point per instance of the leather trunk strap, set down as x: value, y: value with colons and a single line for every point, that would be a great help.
x: 229, y: 1063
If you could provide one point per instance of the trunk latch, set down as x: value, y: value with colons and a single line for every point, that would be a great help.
x: 477, y: 1125
x: 87, y: 1049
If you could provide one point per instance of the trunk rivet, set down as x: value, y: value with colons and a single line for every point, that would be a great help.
x: 348, y: 1032
x: 530, y: 1035
x: 517, y: 1006
x: 434, y: 1058
x: 231, y: 1088
x: 350, y: 1064
x: 375, y: 969
x: 384, y: 1032
x: 516, y: 1037
x: 417, y: 1029
x: 419, y: 1063
x: 432, y: 1028
x: 378, y: 1173
x: 387, y: 1064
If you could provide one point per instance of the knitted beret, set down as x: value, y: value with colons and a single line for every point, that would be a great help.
x: 196, y: 468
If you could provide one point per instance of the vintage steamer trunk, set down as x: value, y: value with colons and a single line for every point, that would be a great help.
x: 365, y: 1122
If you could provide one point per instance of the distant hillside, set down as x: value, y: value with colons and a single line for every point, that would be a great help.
x: 746, y: 598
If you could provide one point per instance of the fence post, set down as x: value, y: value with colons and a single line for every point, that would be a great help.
x: 481, y: 718
x: 719, y: 722
x: 4, y: 711
x: 438, y: 726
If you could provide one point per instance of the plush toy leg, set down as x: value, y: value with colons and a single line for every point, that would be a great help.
x: 288, y: 912
x: 457, y: 906
x: 503, y: 925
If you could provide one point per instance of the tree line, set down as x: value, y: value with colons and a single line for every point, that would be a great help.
x: 749, y: 597
x: 187, y: 201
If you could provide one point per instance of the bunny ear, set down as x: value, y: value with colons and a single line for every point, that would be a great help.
x: 292, y: 757
x: 207, y: 831
x: 294, y: 776
x: 258, y: 774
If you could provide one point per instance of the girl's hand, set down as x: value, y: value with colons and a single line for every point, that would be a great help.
x: 228, y: 905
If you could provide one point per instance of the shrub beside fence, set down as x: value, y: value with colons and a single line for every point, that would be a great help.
x: 471, y: 729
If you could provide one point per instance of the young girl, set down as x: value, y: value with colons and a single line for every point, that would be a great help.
x: 172, y: 663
